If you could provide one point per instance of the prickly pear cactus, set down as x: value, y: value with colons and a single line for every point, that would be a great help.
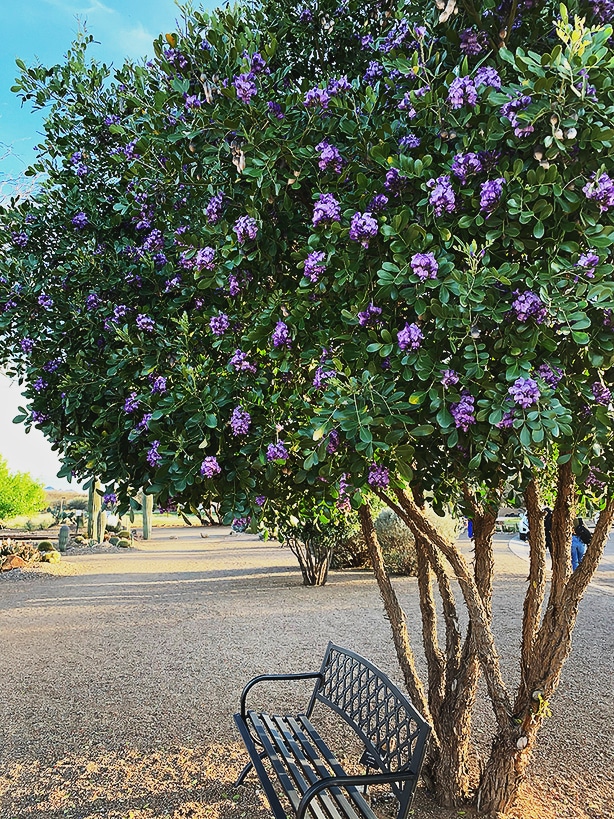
x: 63, y: 538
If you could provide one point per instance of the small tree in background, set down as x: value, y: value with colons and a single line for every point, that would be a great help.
x: 20, y: 494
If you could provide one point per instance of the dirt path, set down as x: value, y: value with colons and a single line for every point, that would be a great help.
x: 120, y: 675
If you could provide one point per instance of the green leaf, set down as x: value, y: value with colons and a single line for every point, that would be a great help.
x: 422, y: 430
x: 210, y: 420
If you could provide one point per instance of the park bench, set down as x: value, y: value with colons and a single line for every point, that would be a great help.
x: 393, y: 733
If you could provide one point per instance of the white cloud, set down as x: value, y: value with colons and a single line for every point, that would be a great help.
x: 91, y: 7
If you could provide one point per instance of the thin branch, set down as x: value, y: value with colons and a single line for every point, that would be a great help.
x: 536, y: 590
x: 562, y: 518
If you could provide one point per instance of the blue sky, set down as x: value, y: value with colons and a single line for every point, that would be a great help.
x: 42, y: 30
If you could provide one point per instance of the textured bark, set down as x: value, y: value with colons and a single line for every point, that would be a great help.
x: 396, y: 617
x: 536, y: 590
x: 482, y: 633
x: 562, y: 521
x: 435, y: 659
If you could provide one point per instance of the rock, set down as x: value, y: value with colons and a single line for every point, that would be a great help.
x: 13, y: 562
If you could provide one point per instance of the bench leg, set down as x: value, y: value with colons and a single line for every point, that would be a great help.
x: 246, y: 770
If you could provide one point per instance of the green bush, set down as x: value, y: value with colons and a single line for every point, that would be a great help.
x: 397, y: 542
x: 19, y: 493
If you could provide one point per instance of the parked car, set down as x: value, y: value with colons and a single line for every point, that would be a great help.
x: 523, y: 527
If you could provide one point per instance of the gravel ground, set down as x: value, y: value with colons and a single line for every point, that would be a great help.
x: 121, y: 671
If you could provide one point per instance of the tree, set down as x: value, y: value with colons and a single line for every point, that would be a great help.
x: 19, y: 493
x: 266, y: 276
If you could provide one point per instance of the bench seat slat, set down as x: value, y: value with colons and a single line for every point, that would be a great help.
x: 300, y: 758
x: 300, y: 768
x: 334, y: 800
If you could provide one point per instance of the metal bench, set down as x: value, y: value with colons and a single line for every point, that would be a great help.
x: 393, y: 733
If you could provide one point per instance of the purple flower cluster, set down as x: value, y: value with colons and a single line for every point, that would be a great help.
x: 38, y: 417
x: 463, y: 412
x: 316, y: 97
x: 80, y: 221
x: 40, y: 384
x: 363, y: 228
x: 589, y: 262
x: 374, y: 71
x: 210, y: 467
x: 462, y: 91
x: 370, y: 316
x: 378, y: 204
x: 449, y: 378
x: 246, y: 228
x: 240, y: 421
x: 592, y: 481
x: 213, y: 211
x: 260, y: 500
x: 109, y: 499
x: 45, y: 301
x: 192, y: 101
x: 490, y: 194
x: 395, y: 181
x: 601, y: 393
x: 424, y: 265
x: 337, y: 85
x: 80, y: 168
x: 154, y: 458
x: 275, y: 109
x: 158, y: 385
x: 329, y: 157
x: 601, y: 190
x: 410, y: 337
x: 510, y: 111
x: 171, y: 284
x: 219, y: 324
x: 204, y: 259
x: 465, y: 165
x: 326, y: 209
x: 409, y: 141
x: 155, y: 241
x: 281, y: 335
x: 19, y: 239
x: 524, y: 392
x: 322, y: 375
x: 240, y: 362
x: 132, y: 403
x: 507, y: 421
x: 52, y: 365
x: 27, y: 344
x: 333, y: 442
x: 472, y: 42
x: 343, y: 502
x: 442, y: 196
x: 245, y: 87
x: 529, y: 305
x: 550, y: 376
x: 144, y: 422
x: 407, y: 106
x: 277, y: 452
x: 145, y: 323
x: 379, y: 477
x: 92, y: 301
x: 314, y: 265
x: 487, y: 76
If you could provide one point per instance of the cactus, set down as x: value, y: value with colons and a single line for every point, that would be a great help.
x: 124, y: 533
x: 45, y: 546
x: 123, y: 543
x: 147, y: 506
x: 101, y: 525
x: 51, y: 557
x: 94, y: 502
x: 63, y: 538
x: 114, y: 540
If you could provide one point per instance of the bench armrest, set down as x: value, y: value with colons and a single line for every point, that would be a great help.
x: 309, y: 675
x: 346, y: 781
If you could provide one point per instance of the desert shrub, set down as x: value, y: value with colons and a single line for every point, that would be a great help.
x: 123, y: 543
x: 397, y: 543
x: 22, y: 549
x: 77, y: 503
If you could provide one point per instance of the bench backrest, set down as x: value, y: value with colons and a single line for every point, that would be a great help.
x: 393, y: 731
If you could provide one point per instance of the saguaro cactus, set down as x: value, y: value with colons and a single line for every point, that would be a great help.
x: 94, y: 503
x: 63, y: 538
x: 147, y: 506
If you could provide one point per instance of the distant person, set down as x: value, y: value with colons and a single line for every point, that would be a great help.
x: 580, y: 539
x: 470, y: 528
